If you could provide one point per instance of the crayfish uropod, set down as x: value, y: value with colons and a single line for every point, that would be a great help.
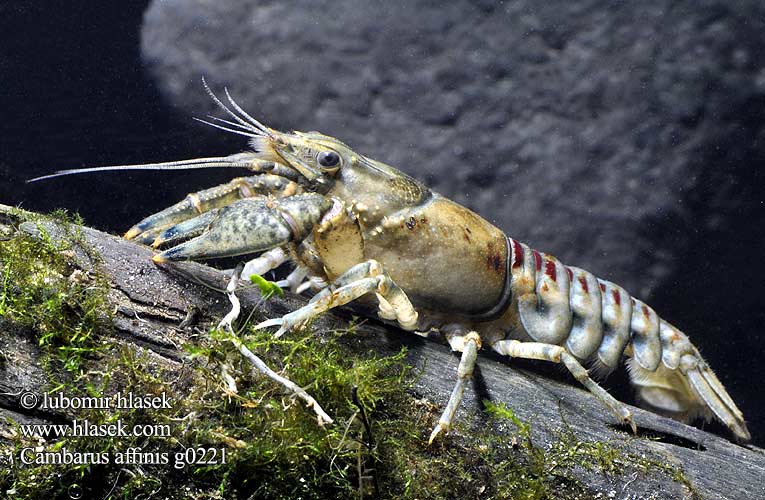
x: 358, y: 229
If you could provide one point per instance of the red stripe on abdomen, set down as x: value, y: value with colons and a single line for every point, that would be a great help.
x: 550, y: 270
x: 537, y: 259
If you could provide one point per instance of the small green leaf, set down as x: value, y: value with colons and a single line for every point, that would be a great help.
x: 267, y: 288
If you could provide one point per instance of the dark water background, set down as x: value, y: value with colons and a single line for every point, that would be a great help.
x: 74, y: 92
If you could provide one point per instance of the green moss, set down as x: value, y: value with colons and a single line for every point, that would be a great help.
x: 44, y: 291
x: 485, y: 465
x: 280, y: 451
x: 126, y: 372
x: 543, y: 471
x: 272, y: 444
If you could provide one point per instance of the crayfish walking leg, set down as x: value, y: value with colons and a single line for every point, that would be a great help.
x: 469, y: 345
x: 357, y: 281
x: 558, y: 354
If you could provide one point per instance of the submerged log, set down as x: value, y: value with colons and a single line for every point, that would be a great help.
x: 667, y: 459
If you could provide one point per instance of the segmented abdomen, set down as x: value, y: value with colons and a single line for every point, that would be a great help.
x: 594, y: 318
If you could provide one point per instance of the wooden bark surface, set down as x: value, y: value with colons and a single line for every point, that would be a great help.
x: 151, y: 301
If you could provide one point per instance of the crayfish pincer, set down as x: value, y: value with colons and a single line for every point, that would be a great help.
x: 358, y: 229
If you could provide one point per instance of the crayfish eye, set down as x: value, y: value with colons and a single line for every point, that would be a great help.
x: 328, y: 158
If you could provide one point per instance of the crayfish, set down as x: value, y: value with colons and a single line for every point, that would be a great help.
x: 360, y: 230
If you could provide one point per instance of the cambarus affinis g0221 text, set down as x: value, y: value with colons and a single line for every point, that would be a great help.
x: 358, y: 229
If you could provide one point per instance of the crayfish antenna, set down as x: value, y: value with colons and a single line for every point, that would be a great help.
x: 231, y: 161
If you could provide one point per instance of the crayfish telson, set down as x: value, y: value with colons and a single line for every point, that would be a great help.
x: 357, y: 228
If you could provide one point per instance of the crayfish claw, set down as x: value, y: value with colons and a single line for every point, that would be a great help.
x: 133, y: 232
x: 145, y: 237
x: 160, y: 258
